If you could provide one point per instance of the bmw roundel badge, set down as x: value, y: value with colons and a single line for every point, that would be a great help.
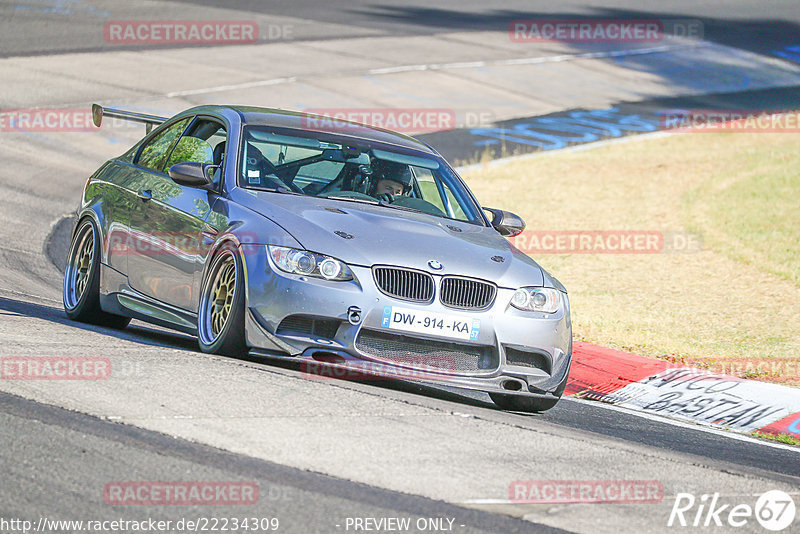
x: 435, y: 265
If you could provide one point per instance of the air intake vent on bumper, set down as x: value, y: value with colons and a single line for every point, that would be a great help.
x: 529, y: 359
x: 305, y: 325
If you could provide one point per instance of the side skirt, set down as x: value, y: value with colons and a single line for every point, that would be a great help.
x: 117, y: 297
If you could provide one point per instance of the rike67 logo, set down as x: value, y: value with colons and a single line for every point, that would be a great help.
x: 773, y: 510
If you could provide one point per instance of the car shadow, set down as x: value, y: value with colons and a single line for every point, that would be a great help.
x: 153, y: 336
x: 416, y: 388
x: 135, y: 332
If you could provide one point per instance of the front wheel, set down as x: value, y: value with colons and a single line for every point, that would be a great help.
x: 220, y: 319
x: 81, y: 292
x: 518, y: 403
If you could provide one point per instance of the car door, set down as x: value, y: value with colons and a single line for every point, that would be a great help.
x: 150, y: 157
x: 170, y: 221
x: 112, y: 185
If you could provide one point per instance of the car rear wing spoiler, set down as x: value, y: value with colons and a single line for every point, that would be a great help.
x: 98, y: 112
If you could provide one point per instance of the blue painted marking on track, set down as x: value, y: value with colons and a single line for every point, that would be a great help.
x: 551, y: 133
x: 794, y: 426
x: 792, y: 53
x: 62, y: 7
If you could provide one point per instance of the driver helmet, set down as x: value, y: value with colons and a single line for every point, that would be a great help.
x: 396, y: 172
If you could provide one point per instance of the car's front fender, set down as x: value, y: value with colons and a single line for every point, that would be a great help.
x: 249, y: 233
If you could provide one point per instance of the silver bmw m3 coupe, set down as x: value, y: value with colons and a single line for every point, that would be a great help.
x: 288, y: 235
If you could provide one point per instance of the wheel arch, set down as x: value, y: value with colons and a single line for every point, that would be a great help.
x: 93, y: 211
x: 226, y: 239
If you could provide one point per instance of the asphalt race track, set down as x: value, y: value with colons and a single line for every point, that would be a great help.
x: 323, y: 452
x: 740, y: 23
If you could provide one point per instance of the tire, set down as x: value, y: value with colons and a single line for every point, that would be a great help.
x: 81, y: 290
x: 220, y: 317
x: 516, y: 403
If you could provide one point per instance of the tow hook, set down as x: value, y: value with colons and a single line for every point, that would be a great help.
x: 354, y: 315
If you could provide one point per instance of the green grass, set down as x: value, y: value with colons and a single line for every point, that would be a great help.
x: 739, y: 297
x: 782, y: 438
x: 753, y: 216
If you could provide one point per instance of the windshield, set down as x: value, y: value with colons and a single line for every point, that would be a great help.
x: 336, y: 170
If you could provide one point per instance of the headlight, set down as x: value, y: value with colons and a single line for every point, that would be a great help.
x: 537, y: 299
x: 306, y: 263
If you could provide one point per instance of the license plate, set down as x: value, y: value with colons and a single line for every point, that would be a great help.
x: 437, y: 324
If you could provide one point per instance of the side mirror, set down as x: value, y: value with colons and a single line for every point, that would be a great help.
x: 192, y: 174
x: 506, y: 223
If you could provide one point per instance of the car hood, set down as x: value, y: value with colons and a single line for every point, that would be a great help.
x: 366, y: 235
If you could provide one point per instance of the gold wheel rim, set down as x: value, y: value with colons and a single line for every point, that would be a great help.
x: 83, y: 265
x: 222, y: 297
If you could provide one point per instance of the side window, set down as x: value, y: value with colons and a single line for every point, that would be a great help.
x: 155, y: 152
x: 438, y: 193
x: 427, y: 187
x: 203, y: 142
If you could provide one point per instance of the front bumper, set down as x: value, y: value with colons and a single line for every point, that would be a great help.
x: 514, y: 352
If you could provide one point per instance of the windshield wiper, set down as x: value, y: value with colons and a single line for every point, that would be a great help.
x: 280, y: 189
x: 404, y: 208
x: 353, y: 199
x: 377, y: 203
